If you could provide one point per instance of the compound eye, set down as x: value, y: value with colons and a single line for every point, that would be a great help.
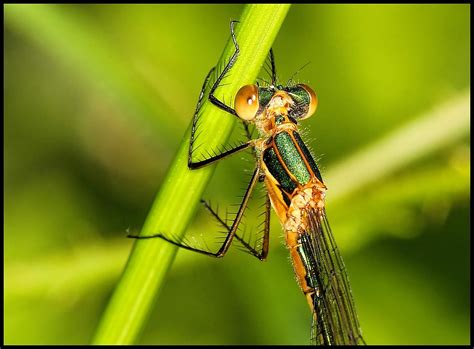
x: 313, y: 102
x: 246, y: 102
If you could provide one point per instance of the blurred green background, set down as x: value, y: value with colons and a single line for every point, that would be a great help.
x: 97, y: 98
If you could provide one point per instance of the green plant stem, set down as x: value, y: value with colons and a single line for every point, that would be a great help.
x: 181, y: 190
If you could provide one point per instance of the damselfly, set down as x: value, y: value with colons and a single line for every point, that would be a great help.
x: 295, y: 190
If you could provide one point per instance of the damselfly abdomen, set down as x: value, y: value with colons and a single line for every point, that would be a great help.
x: 296, y: 192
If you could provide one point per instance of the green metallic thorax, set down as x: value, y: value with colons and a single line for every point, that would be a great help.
x: 289, y: 161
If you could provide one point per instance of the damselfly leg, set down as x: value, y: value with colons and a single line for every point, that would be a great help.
x: 262, y: 254
x: 232, y: 229
x: 213, y: 99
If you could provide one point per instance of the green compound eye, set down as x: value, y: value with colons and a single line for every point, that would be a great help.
x: 306, y: 99
x: 313, y: 103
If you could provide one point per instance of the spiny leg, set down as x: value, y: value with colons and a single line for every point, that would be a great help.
x: 272, y: 62
x: 221, y: 105
x: 196, y: 113
x: 195, y: 165
x: 221, y: 76
x: 262, y: 255
x: 225, y: 246
x: 270, y: 69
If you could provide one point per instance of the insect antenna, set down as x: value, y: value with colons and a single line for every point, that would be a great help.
x: 290, y: 81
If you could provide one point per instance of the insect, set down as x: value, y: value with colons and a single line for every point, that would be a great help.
x: 296, y: 192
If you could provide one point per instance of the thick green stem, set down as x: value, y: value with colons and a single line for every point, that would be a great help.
x: 181, y: 190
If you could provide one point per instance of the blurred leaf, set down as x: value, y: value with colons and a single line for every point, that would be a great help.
x: 77, y: 43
